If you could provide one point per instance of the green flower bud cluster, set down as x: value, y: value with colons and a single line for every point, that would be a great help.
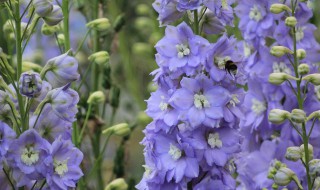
x: 282, y: 175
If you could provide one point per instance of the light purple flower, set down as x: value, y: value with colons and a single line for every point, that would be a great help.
x: 61, y: 70
x: 65, y: 170
x: 181, y: 48
x: 202, y: 101
x: 27, y: 154
x: 7, y: 135
x: 167, y: 10
x: 64, y: 102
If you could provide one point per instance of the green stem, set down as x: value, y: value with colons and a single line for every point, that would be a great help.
x: 301, y: 101
x: 196, y: 22
x: 82, y: 42
x: 65, y: 10
x: 7, y: 175
x: 84, y: 126
x: 19, y: 60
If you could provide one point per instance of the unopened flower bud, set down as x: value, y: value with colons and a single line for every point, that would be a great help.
x: 143, y: 118
x: 28, y: 66
x: 117, y: 184
x: 48, y: 30
x: 316, y: 183
x: 119, y: 23
x: 121, y: 129
x: 279, y: 78
x: 61, y: 70
x: 303, y: 69
x: 278, y: 116
x: 291, y: 21
x: 298, y: 116
x: 30, y: 84
x: 280, y: 51
x: 275, y: 186
x: 315, y: 114
x: 293, y: 153
x: 313, y: 78
x: 96, y: 97
x: 42, y: 7
x: 279, y: 8
x: 310, y: 151
x: 272, y: 172
x: 100, y: 58
x: 284, y: 176
x: 61, y: 39
x: 8, y: 27
x: 100, y: 24
x: 301, y: 54
x: 314, y: 167
x: 114, y: 96
x: 54, y: 17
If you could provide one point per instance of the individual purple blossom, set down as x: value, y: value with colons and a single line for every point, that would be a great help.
x: 42, y: 7
x: 212, y: 24
x: 50, y: 126
x: 160, y: 108
x: 26, y: 156
x: 256, y: 21
x: 177, y: 158
x: 61, y: 70
x: 222, y: 51
x: 66, y: 171
x: 30, y: 84
x: 64, y: 101
x: 180, y: 48
x: 202, y: 101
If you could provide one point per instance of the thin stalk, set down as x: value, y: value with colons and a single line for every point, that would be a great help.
x: 7, y: 175
x: 19, y: 60
x: 196, y: 22
x: 301, y: 101
x: 82, y: 42
x: 65, y: 10
x: 84, y: 126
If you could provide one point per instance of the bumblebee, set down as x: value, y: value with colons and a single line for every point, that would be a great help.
x: 231, y: 68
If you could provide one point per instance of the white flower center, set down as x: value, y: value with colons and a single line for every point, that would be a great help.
x: 29, y: 156
x: 258, y: 107
x: 200, y: 101
x: 214, y: 140
x: 255, y: 13
x: 60, y: 167
x: 183, y: 50
x: 224, y: 4
x: 281, y: 68
x: 300, y: 33
x: 163, y: 105
x: 234, y: 100
x: 221, y: 61
x: 148, y: 170
x: 175, y: 152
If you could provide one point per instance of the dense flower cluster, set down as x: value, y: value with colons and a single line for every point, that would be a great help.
x: 205, y: 125
x: 266, y: 142
x: 41, y: 151
x: 197, y: 107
